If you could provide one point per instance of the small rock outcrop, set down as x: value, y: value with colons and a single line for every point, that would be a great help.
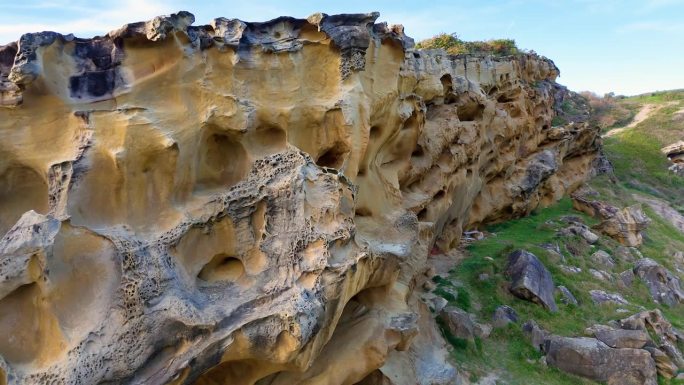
x: 624, y: 225
x: 664, y: 348
x: 530, y: 279
x: 675, y: 154
x: 629, y: 351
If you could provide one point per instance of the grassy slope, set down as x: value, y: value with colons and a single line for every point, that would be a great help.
x: 640, y: 168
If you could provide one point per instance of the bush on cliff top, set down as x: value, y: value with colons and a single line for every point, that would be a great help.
x: 455, y: 46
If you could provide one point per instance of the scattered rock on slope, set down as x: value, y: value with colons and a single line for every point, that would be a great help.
x: 600, y: 297
x: 603, y: 259
x: 582, y: 231
x: 566, y: 296
x: 530, y: 279
x: 462, y: 324
x: 504, y: 315
x: 664, y: 286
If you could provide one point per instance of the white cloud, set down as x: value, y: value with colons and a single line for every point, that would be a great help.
x: 652, y: 4
x: 653, y: 26
x: 89, y: 21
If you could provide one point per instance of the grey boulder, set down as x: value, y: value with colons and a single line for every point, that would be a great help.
x: 462, y: 324
x: 566, y: 296
x: 591, y: 358
x: 530, y: 279
x: 665, y: 287
x: 504, y: 315
x: 621, y: 338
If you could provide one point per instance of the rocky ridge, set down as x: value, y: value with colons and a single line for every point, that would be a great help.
x: 255, y: 203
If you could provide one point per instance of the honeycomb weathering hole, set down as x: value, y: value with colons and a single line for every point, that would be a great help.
x: 21, y: 189
x: 222, y: 268
x: 447, y: 86
x: 223, y: 161
x: 470, y: 110
x: 333, y: 157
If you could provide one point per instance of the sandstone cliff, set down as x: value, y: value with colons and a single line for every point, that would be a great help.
x: 245, y: 203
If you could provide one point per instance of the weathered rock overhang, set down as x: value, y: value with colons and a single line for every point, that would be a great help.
x: 247, y: 203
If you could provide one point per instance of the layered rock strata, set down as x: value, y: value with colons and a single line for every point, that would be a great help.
x: 243, y: 203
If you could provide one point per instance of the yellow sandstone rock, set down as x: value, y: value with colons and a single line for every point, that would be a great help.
x: 246, y: 203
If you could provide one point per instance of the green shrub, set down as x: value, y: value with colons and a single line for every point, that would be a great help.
x: 445, y: 294
x: 463, y: 299
x: 455, y: 46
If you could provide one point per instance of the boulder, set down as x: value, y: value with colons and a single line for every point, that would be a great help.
x: 665, y: 287
x: 591, y: 207
x: 593, y: 359
x: 624, y: 225
x: 566, y: 296
x: 627, y: 254
x: 655, y: 321
x: 438, y: 303
x: 601, y: 297
x: 677, y: 168
x: 674, y: 152
x: 621, y: 338
x: 664, y: 365
x: 603, y: 259
x: 570, y: 269
x: 504, y: 315
x: 536, y: 334
x: 601, y: 275
x: 668, y: 338
x: 530, y: 279
x: 582, y: 231
x: 627, y: 278
x: 539, y: 169
x: 462, y: 324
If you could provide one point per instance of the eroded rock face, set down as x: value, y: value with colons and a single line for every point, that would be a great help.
x: 246, y: 203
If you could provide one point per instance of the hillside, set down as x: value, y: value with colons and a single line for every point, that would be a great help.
x: 640, y: 178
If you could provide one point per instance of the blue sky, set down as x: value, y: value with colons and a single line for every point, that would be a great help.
x: 628, y: 47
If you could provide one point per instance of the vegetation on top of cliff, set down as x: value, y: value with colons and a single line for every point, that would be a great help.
x: 453, y: 45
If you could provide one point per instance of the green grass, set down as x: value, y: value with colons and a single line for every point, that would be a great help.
x: 639, y: 165
x: 508, y: 351
x: 657, y: 97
